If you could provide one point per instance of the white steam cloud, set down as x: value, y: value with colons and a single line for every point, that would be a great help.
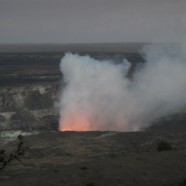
x: 97, y: 95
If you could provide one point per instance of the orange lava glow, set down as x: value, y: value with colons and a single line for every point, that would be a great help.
x: 76, y: 123
x: 82, y: 122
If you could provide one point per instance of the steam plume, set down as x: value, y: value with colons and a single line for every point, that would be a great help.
x: 98, y: 96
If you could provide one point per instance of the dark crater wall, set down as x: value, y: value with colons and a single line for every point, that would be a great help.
x: 28, y: 107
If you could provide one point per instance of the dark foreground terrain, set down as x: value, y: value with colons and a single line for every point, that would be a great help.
x: 98, y: 159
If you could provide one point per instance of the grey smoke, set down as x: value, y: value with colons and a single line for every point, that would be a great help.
x: 108, y: 100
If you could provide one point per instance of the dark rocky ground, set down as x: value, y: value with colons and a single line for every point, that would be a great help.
x: 98, y: 158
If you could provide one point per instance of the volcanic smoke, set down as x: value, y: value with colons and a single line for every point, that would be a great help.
x: 98, y: 95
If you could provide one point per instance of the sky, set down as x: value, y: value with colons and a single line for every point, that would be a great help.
x: 92, y: 21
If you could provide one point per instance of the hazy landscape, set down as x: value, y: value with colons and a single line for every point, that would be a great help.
x: 92, y: 93
x: 30, y: 83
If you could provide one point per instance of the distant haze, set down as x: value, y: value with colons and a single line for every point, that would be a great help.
x: 88, y: 21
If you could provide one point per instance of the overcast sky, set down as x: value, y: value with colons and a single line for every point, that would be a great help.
x: 82, y: 21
